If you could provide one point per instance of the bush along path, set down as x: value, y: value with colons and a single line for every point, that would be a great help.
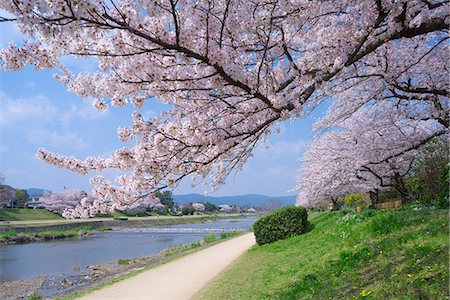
x: 345, y: 255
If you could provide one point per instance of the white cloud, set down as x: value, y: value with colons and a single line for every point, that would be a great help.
x: 281, y: 171
x: 79, y: 64
x: 84, y: 111
x: 147, y: 114
x: 36, y: 110
x: 17, y: 111
x: 282, y: 148
x: 55, y: 139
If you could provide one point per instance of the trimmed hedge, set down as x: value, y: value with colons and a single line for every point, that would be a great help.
x: 280, y: 224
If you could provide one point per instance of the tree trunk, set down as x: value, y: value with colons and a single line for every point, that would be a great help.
x: 399, y: 185
x: 374, y: 199
x: 334, y: 204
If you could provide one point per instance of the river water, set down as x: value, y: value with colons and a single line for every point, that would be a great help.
x: 69, y: 256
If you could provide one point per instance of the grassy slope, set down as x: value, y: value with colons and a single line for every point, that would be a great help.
x: 22, y: 214
x: 373, y: 255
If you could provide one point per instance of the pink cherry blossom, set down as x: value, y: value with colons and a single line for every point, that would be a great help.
x: 229, y: 71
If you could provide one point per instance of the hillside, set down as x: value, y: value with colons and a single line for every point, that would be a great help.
x: 372, y: 255
x: 25, y: 214
x: 32, y: 192
x: 253, y: 200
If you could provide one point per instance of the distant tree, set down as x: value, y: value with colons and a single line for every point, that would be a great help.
x: 2, y: 178
x: 22, y: 195
x: 225, y: 208
x: 198, y: 206
x: 210, y: 207
x: 428, y: 183
x: 188, y: 209
x: 58, y: 202
x: 270, y: 205
x: 166, y: 199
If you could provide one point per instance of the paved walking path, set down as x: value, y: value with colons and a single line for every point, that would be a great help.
x: 179, y: 279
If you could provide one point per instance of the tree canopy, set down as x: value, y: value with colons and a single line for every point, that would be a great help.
x: 230, y: 70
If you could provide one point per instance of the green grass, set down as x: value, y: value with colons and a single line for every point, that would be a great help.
x: 25, y: 214
x: 229, y: 234
x: 371, y: 255
x: 209, y: 238
x: 123, y: 261
x: 35, y: 296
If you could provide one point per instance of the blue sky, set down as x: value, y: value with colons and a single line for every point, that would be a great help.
x: 37, y: 111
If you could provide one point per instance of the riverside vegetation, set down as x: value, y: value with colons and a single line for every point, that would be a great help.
x: 12, y: 236
x: 399, y: 254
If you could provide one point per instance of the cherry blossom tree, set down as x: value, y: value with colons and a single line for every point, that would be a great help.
x: 225, y: 208
x: 374, y: 148
x: 198, y: 206
x: 251, y: 210
x: 58, y: 202
x: 230, y: 70
x: 78, y: 204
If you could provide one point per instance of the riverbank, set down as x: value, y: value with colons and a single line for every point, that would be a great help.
x: 400, y: 254
x: 100, y: 275
x: 12, y: 236
x: 65, y: 224
x: 16, y: 233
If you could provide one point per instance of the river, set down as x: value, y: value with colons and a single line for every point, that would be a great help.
x: 69, y: 256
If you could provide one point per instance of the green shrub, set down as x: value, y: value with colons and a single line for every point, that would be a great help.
x: 228, y: 234
x: 280, y: 224
x: 135, y: 213
x: 123, y: 261
x: 35, y: 296
x: 352, y: 199
x: 209, y: 238
x: 8, y: 234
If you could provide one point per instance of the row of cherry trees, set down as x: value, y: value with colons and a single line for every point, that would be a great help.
x: 79, y: 204
x: 371, y: 140
x: 231, y: 70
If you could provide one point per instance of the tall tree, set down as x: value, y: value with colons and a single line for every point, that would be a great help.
x: 229, y: 82
x: 22, y: 195
x: 166, y: 199
x: 59, y: 202
x: 376, y: 147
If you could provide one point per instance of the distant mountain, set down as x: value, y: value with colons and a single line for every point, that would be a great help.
x: 253, y: 200
x: 32, y: 192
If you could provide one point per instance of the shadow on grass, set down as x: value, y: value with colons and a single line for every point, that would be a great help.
x: 309, y: 226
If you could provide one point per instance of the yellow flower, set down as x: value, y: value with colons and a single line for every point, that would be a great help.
x: 409, y: 275
x: 364, y: 293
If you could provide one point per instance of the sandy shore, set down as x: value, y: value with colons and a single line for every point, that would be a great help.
x: 179, y: 279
